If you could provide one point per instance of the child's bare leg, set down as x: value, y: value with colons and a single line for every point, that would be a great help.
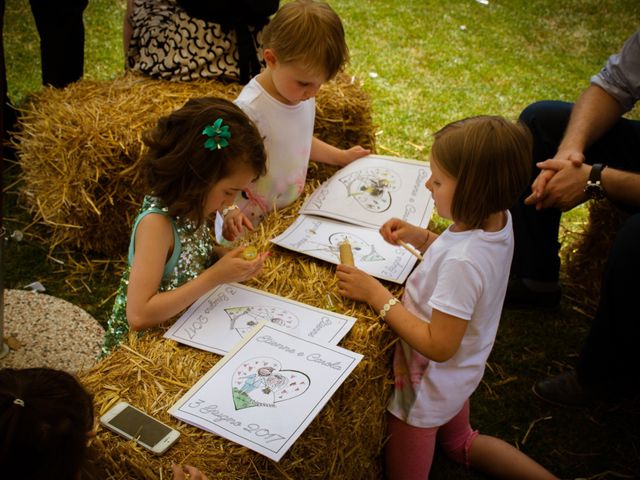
x: 502, y: 460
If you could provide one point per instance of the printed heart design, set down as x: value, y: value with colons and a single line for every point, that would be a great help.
x: 261, y: 382
x: 371, y: 188
x: 244, y: 319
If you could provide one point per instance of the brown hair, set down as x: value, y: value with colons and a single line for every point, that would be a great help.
x: 180, y: 171
x: 490, y: 158
x: 45, y: 416
x: 309, y: 33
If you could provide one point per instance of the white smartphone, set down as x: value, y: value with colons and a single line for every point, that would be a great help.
x: 134, y: 424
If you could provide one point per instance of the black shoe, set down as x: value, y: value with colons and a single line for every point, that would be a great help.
x: 563, y: 389
x: 519, y: 295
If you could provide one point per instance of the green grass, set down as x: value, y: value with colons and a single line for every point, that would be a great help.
x: 429, y: 72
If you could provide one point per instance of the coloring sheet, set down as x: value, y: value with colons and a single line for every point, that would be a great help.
x: 374, y: 189
x: 321, y: 238
x: 225, y: 314
x: 265, y: 392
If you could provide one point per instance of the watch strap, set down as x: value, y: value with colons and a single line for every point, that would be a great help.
x: 596, y: 173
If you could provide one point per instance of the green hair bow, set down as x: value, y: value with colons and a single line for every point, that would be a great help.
x: 218, y: 134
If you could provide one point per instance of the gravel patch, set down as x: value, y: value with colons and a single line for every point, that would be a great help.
x: 52, y: 332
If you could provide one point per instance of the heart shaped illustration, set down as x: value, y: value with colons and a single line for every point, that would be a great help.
x: 371, y: 188
x: 261, y: 382
x: 244, y: 319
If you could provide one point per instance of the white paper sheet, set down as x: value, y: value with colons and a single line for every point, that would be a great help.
x: 321, y: 238
x: 374, y: 189
x: 221, y: 317
x: 265, y: 392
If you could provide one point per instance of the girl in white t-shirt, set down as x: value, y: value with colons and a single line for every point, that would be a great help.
x: 451, y: 307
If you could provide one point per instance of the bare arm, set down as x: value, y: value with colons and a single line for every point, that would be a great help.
x: 621, y: 186
x: 592, y: 116
x: 567, y: 189
x: 146, y: 307
x: 594, y: 113
x: 324, y: 153
x: 438, y: 340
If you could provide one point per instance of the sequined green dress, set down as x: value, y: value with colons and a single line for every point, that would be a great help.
x: 192, y: 253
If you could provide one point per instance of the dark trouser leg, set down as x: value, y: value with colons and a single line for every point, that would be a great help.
x: 61, y: 32
x: 609, y: 362
x: 536, y: 231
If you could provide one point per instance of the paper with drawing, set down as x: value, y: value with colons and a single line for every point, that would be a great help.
x: 266, y: 391
x: 373, y: 189
x: 221, y: 317
x: 321, y: 238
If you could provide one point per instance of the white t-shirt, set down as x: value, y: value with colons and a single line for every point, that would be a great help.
x: 287, y: 132
x: 464, y: 274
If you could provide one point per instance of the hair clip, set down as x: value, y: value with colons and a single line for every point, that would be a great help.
x: 18, y: 401
x: 218, y: 134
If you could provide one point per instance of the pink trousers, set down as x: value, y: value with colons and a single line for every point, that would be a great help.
x: 409, y: 451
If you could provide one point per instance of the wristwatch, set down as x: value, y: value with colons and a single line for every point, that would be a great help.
x: 593, y: 189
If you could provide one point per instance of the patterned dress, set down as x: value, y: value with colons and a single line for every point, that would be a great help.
x: 192, y: 253
x: 168, y: 43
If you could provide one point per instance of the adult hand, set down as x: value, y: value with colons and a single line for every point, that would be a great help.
x: 560, y: 184
x: 234, y: 223
x: 571, y: 155
x: 232, y: 267
x: 357, y: 285
x: 353, y: 153
x: 180, y: 471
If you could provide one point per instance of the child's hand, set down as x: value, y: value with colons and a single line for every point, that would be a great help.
x: 232, y: 267
x: 395, y: 230
x: 193, y: 472
x: 358, y: 285
x: 354, y: 153
x: 234, y: 222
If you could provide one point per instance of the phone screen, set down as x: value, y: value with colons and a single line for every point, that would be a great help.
x: 140, y: 426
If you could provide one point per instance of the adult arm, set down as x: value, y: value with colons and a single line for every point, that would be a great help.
x: 592, y: 116
x: 567, y: 187
x: 613, y: 91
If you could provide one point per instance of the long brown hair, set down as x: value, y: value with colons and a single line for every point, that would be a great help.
x: 490, y: 158
x: 180, y: 171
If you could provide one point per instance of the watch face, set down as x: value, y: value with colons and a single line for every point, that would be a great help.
x: 594, y: 190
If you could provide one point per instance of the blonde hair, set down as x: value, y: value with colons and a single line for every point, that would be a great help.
x: 309, y: 33
x: 490, y: 158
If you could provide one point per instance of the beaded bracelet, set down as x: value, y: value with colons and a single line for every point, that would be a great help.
x: 387, y: 306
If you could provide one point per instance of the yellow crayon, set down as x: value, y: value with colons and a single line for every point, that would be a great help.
x: 346, y: 255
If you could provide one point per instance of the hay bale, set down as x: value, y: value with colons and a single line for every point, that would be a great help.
x: 345, y: 439
x: 79, y: 149
x: 585, y: 256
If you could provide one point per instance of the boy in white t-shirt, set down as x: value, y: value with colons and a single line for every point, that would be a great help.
x: 304, y: 47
